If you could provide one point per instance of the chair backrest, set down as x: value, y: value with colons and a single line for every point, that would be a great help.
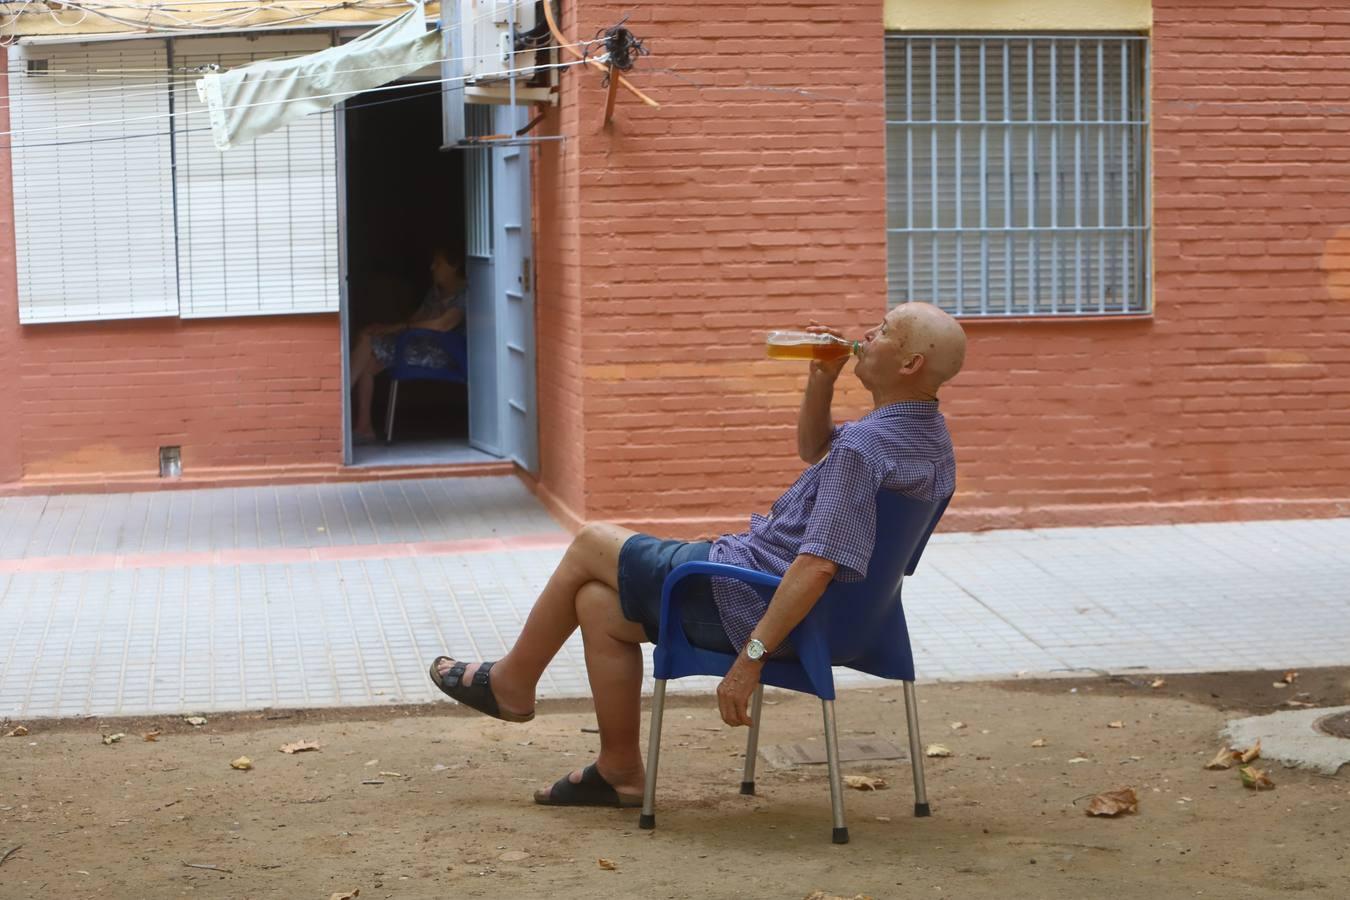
x: 864, y: 622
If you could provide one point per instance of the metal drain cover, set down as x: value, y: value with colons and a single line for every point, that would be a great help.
x: 1336, y: 726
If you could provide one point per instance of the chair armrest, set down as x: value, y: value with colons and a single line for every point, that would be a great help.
x: 672, y: 626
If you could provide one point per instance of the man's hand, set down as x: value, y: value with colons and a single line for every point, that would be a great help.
x: 733, y: 694
x: 829, y: 369
x: 814, y: 425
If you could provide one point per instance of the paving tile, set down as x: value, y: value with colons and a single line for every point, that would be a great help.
x: 178, y: 638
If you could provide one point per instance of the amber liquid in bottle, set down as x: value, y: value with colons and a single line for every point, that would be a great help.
x: 821, y: 352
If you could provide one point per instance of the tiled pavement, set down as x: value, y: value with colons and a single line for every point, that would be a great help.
x: 341, y: 594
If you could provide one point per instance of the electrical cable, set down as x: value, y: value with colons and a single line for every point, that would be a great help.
x: 155, y: 116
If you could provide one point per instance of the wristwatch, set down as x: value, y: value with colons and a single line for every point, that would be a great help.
x: 754, y: 649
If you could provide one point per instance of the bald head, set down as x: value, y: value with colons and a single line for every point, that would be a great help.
x: 916, y: 350
x: 938, y: 337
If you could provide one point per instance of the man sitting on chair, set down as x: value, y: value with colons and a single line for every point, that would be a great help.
x: 442, y: 309
x: 822, y: 529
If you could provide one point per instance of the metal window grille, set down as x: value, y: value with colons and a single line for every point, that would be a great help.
x: 1017, y: 174
x: 478, y: 182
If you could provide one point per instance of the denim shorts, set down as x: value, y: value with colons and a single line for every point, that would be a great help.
x: 644, y: 563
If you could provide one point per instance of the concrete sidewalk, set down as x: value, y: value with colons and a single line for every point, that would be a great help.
x: 321, y: 595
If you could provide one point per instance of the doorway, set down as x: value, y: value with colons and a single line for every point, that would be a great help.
x: 404, y: 203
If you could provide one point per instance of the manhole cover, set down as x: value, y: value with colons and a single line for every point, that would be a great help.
x: 1336, y: 726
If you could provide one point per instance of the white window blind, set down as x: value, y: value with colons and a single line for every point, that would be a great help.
x: 257, y: 224
x: 93, y: 184
x: 1017, y: 174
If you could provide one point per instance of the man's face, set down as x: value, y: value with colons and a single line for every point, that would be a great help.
x: 884, y: 352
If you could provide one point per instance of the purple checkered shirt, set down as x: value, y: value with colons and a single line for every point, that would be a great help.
x: 831, y: 510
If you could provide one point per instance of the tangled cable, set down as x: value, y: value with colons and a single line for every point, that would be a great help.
x: 622, y: 47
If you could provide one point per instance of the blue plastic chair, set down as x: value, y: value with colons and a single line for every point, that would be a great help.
x: 455, y: 347
x: 860, y: 625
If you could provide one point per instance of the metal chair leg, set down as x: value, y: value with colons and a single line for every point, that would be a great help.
x: 648, y: 817
x: 752, y: 743
x: 389, y: 415
x: 921, y: 807
x: 840, y: 835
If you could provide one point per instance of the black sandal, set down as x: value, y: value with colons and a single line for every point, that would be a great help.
x: 476, y: 695
x: 591, y: 790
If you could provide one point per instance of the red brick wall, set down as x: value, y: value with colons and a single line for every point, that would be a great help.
x: 704, y: 223
x: 727, y: 213
x: 102, y: 397
x: 558, y: 255
x: 11, y: 445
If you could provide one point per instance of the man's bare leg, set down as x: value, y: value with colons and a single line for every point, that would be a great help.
x: 592, y: 557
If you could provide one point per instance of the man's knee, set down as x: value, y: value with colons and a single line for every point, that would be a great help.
x: 597, y: 602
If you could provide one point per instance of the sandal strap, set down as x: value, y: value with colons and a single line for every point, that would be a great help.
x: 480, y: 677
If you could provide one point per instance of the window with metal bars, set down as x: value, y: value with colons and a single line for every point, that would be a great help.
x: 1017, y: 174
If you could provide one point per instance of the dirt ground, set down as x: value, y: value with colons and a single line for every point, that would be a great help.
x: 451, y: 814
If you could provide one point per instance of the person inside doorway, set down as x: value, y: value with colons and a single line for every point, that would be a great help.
x: 441, y: 310
x: 608, y: 583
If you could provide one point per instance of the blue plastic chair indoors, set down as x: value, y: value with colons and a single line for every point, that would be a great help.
x: 860, y: 625
x: 452, y: 342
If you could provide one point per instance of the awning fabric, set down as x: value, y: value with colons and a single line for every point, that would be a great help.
x: 252, y: 100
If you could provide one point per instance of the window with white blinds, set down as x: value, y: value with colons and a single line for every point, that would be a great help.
x: 1017, y: 174
x: 93, y: 183
x: 257, y: 224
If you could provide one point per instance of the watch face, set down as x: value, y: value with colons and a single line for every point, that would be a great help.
x: 754, y: 649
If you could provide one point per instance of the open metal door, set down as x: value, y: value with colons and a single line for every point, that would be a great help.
x: 503, y: 418
x: 480, y: 262
x: 514, y: 264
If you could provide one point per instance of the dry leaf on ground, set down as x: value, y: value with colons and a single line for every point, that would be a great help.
x: 1255, y: 779
x: 864, y: 782
x: 113, y: 738
x: 957, y: 726
x: 18, y: 731
x: 936, y: 750
x: 1224, y: 759
x: 1113, y: 803
x: 1290, y: 677
x: 1280, y: 684
x: 195, y: 721
x: 1079, y: 759
x: 299, y: 746
x: 243, y: 763
x: 606, y: 864
x: 1039, y: 742
x: 1253, y: 752
x: 345, y: 895
x: 391, y: 774
x: 1115, y: 724
x: 150, y: 736
x: 1158, y: 683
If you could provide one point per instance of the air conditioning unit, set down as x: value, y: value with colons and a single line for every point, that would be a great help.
x: 480, y: 67
x: 489, y: 29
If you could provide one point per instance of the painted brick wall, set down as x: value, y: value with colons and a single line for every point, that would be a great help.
x: 11, y: 445
x: 744, y: 205
x: 558, y: 255
x: 102, y: 397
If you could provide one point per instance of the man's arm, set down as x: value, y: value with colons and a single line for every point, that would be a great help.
x: 801, y: 588
x: 814, y: 425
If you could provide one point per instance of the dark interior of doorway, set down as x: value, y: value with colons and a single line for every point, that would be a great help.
x: 404, y: 201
